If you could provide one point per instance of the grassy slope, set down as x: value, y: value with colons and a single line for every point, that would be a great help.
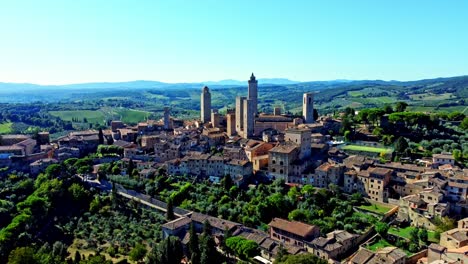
x: 92, y: 115
x: 365, y: 148
x: 6, y: 127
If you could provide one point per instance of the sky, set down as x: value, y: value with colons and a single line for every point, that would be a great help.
x: 69, y: 41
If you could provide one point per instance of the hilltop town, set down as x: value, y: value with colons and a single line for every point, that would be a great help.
x: 375, y: 185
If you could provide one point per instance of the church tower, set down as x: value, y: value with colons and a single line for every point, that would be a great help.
x: 308, y: 108
x: 253, y: 93
x: 205, y: 105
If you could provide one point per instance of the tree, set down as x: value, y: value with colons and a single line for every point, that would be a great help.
x: 169, y: 251
x: 227, y: 182
x: 347, y: 135
x: 401, y: 145
x: 101, y: 137
x: 170, y: 210
x: 381, y: 228
x: 243, y: 248
x: 423, y: 236
x: 193, y: 245
x: 400, y: 106
x: 138, y: 252
x: 414, y: 236
x: 388, y: 109
x: 54, y: 170
x: 22, y: 255
x: 208, y: 252
x: 130, y: 167
x: 464, y: 123
x: 456, y: 116
x: 457, y: 155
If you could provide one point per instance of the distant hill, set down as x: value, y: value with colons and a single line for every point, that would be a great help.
x: 439, y: 94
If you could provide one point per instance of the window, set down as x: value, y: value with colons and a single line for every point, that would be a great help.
x: 281, y: 171
x: 273, y: 170
x: 281, y: 162
x: 273, y: 161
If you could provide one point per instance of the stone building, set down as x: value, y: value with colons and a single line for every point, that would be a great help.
x: 308, y: 108
x: 292, y: 232
x: 205, y: 105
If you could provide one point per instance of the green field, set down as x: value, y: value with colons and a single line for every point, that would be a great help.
x: 431, y: 96
x: 381, y: 243
x: 376, y: 208
x: 366, y: 149
x: 131, y: 116
x: 6, y: 127
x: 405, y: 233
x: 458, y: 108
x: 93, y: 116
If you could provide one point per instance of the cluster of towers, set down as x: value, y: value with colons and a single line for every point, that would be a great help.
x: 241, y: 121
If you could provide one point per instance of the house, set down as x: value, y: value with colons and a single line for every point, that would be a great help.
x: 292, y: 232
x: 439, y: 254
x: 371, y: 182
x: 280, y: 159
x: 454, y: 238
x: 388, y: 255
x: 419, y: 209
x: 442, y: 159
x: 177, y: 227
x: 327, y: 173
x: 334, y: 245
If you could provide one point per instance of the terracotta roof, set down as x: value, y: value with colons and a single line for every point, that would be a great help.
x: 442, y: 156
x: 294, y: 227
x: 437, y: 247
x: 177, y: 223
x: 284, y: 148
x: 362, y: 256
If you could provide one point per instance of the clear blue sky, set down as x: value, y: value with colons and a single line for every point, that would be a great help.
x: 72, y: 41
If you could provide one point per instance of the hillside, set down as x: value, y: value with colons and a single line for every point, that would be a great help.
x: 136, y: 101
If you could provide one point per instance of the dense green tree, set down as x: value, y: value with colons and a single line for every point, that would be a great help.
x: 54, y: 170
x: 456, y: 116
x: 168, y: 251
x: 138, y: 252
x: 101, y: 137
x: 22, y: 255
x: 400, y: 106
x: 381, y: 228
x: 243, y: 248
x: 423, y: 235
x: 193, y: 245
x: 464, y: 123
x: 401, y: 145
x: 227, y: 182
x: 170, y: 210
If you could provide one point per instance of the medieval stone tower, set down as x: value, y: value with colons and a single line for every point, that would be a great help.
x: 253, y: 93
x: 205, y: 105
x: 308, y: 108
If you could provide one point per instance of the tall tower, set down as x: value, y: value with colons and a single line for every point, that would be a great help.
x: 205, y: 105
x: 253, y: 93
x: 231, y: 122
x: 167, y: 118
x: 308, y: 108
x: 239, y: 114
x: 249, y: 118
